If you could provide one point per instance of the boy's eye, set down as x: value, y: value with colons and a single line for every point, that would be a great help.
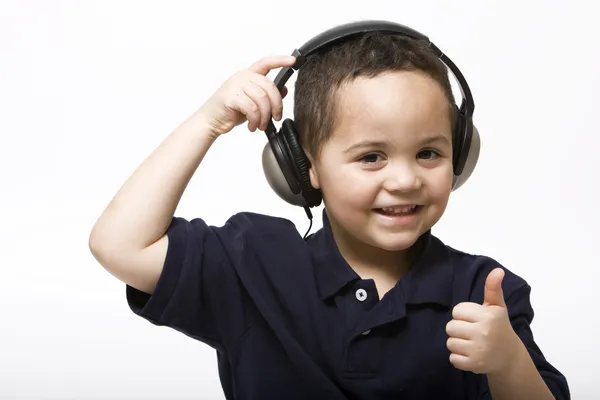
x: 428, y: 154
x: 370, y: 158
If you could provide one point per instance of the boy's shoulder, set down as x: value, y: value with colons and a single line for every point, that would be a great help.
x: 257, y: 223
x: 258, y: 229
x: 471, y: 271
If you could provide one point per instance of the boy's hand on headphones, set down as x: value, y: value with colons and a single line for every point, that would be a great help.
x: 480, y: 336
x: 247, y: 95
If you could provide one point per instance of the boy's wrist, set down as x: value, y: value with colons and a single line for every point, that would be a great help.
x: 516, y: 353
x: 199, y: 124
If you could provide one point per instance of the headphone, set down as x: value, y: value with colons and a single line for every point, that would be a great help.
x: 285, y: 164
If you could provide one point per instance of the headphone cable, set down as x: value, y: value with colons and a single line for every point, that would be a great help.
x: 310, y: 217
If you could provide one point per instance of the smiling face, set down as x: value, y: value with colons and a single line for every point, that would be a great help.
x: 386, y: 171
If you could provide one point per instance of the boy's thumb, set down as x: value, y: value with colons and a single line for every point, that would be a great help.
x: 493, y: 294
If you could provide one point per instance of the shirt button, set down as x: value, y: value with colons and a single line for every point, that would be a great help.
x: 361, y: 294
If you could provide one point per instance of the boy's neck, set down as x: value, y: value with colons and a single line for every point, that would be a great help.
x: 371, y: 262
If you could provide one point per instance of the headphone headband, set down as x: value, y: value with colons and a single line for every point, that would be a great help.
x: 343, y: 31
x: 347, y: 30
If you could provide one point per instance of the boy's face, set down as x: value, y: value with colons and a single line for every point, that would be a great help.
x: 386, y: 171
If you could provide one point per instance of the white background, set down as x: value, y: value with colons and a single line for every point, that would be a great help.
x: 89, y: 88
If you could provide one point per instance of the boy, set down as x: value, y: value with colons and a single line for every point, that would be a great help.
x: 372, y: 306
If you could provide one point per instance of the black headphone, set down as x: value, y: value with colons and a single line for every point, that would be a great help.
x: 285, y: 164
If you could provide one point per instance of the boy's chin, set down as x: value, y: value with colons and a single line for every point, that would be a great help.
x: 395, y: 242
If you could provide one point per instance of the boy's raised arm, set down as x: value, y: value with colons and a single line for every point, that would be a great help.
x: 129, y: 239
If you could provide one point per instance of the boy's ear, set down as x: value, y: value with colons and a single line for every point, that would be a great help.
x: 314, y: 176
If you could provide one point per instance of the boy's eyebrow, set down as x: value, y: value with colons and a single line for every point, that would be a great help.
x: 434, y: 139
x: 367, y: 144
x: 383, y: 143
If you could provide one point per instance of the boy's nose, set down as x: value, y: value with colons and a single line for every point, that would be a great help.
x: 402, y: 179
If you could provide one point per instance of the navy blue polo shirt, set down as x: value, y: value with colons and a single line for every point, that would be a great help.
x: 289, y: 319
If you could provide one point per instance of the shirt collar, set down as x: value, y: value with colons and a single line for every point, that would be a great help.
x: 332, y: 272
x: 430, y: 280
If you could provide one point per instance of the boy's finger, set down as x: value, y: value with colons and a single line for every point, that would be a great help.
x: 460, y: 329
x: 261, y: 99
x: 266, y: 64
x: 246, y: 106
x: 275, y: 98
x: 459, y: 346
x: 493, y: 294
x: 467, y: 311
x: 460, y: 362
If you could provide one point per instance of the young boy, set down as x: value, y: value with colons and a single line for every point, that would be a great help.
x: 372, y: 306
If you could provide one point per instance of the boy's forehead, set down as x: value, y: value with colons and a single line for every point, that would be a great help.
x: 403, y: 90
x: 348, y: 139
x: 390, y: 106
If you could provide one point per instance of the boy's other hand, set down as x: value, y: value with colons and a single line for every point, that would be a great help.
x: 247, y: 95
x: 480, y: 336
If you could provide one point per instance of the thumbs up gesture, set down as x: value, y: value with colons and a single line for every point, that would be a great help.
x: 480, y: 336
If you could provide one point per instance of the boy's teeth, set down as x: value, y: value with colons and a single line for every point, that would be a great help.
x: 398, y: 210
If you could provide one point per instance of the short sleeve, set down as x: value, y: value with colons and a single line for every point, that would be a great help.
x: 198, y: 292
x: 521, y: 315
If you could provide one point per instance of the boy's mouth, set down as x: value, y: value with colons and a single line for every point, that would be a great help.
x: 398, y: 211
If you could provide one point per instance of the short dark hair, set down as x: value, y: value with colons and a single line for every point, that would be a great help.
x: 364, y: 55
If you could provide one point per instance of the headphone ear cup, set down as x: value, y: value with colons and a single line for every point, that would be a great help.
x: 291, y: 138
x: 458, y: 140
x: 471, y: 157
x: 276, y: 178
